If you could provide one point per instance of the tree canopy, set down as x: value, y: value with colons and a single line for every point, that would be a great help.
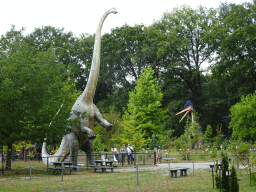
x: 243, y: 118
x: 145, y: 104
x: 43, y: 69
x: 33, y: 86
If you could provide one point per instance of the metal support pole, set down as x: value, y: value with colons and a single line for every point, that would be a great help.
x: 3, y: 160
x: 237, y: 157
x: 47, y: 164
x: 212, y: 167
x: 193, y: 167
x: 30, y: 173
x: 154, y: 158
x: 169, y: 169
x: 62, y: 172
x: 228, y: 180
x: 186, y: 157
x: 137, y: 170
x: 220, y: 177
x: 250, y: 176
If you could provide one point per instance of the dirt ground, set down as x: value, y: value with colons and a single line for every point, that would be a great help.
x: 165, y: 166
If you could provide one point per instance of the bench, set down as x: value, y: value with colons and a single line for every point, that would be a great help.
x: 63, y: 166
x: 174, y: 171
x: 54, y: 169
x: 103, y: 168
x: 183, y: 171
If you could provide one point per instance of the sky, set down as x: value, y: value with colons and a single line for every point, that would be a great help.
x: 83, y: 16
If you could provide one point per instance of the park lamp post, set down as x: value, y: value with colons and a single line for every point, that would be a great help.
x: 212, y: 168
x: 237, y: 157
x: 228, y: 174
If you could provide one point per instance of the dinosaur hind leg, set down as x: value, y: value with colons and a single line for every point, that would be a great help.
x: 88, y: 148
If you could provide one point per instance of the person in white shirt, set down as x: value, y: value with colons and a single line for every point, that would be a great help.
x: 129, y: 152
x: 115, y: 153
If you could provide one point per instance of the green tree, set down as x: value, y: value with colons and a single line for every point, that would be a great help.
x: 122, y: 63
x: 184, y: 45
x: 224, y: 169
x: 234, y: 185
x: 234, y: 67
x: 32, y: 89
x: 208, y: 135
x: 145, y: 105
x: 107, y: 139
x: 67, y: 48
x: 216, y: 105
x: 132, y: 132
x: 243, y: 118
x: 191, y: 136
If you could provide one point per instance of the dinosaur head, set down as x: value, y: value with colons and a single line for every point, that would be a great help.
x: 112, y: 10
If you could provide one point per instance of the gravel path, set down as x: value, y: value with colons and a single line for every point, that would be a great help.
x: 164, y: 166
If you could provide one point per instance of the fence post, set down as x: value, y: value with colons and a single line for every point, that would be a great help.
x: 3, y: 160
x: 169, y: 169
x: 47, y: 163
x: 137, y: 170
x: 193, y: 168
x: 62, y: 172
x: 154, y: 158
x: 30, y: 173
x: 250, y: 175
x: 237, y: 157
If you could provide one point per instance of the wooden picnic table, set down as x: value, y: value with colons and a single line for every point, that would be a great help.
x: 103, y: 164
x: 62, y: 165
x: 169, y: 159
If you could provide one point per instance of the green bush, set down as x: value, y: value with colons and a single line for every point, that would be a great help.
x: 253, y: 178
x: 213, y: 153
x: 184, y: 153
x: 234, y: 185
x: 217, y: 181
x: 224, y: 169
x: 217, y: 177
x: 244, y: 148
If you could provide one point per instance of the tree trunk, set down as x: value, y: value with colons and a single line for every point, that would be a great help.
x: 8, y: 164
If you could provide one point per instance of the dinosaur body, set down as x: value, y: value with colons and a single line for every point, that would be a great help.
x: 82, y: 137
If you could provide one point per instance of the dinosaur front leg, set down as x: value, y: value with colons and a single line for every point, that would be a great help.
x: 90, y: 133
x: 103, y: 122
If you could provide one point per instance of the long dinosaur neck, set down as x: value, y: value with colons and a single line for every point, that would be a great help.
x: 89, y: 91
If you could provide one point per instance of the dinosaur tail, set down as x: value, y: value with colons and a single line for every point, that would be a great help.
x: 48, y: 159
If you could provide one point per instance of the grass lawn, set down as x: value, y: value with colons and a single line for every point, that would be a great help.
x: 87, y: 180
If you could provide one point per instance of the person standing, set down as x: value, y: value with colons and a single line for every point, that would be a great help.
x: 159, y: 156
x: 115, y: 153
x: 129, y: 152
x: 133, y: 157
x: 123, y: 151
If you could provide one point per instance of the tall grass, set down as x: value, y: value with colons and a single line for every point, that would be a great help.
x: 120, y: 180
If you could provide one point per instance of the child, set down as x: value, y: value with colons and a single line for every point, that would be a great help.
x: 159, y: 156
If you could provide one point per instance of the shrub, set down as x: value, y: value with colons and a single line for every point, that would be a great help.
x: 184, y: 153
x: 217, y: 181
x: 253, y: 178
x: 234, y: 185
x: 217, y: 177
x: 224, y: 167
x: 213, y: 153
x: 244, y: 148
